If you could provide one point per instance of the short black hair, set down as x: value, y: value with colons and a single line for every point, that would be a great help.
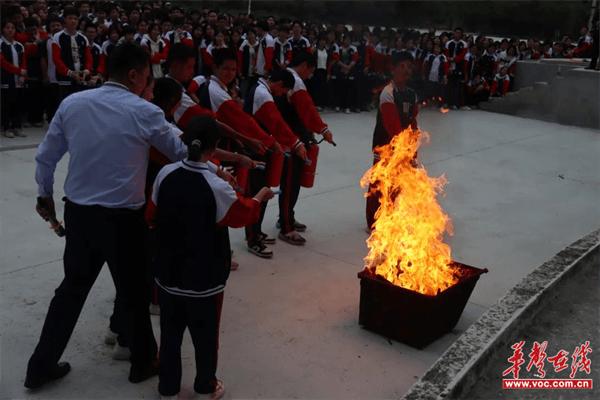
x: 180, y: 52
x: 263, y: 25
x: 167, y: 92
x: 52, y: 18
x: 302, y: 56
x: 401, y: 56
x: 129, y: 29
x: 126, y: 57
x: 222, y: 55
x: 31, y: 22
x: 91, y: 25
x: 200, y: 135
x: 284, y: 76
x: 70, y: 11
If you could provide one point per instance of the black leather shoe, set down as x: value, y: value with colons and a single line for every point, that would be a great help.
x: 140, y: 374
x: 61, y: 369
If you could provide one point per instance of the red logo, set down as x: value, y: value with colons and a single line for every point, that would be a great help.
x: 538, y: 357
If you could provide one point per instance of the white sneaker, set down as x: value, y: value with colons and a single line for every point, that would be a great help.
x: 121, y: 353
x: 110, y: 338
x: 347, y: 111
x: 216, y: 395
x: 8, y: 134
x: 19, y: 133
x: 337, y: 109
x: 465, y: 108
x: 154, y: 309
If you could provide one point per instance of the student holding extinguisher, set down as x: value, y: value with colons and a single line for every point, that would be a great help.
x: 300, y: 114
x: 260, y: 104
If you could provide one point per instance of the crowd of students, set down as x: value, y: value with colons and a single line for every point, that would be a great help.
x: 47, y: 54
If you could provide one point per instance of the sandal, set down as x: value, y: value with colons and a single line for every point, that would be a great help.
x: 292, y: 237
x: 260, y: 250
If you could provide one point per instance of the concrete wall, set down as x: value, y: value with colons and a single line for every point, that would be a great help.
x: 544, y: 70
x: 553, y: 91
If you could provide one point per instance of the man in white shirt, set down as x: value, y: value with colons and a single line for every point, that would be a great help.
x: 108, y: 132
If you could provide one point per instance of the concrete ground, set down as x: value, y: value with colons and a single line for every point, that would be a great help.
x: 519, y: 191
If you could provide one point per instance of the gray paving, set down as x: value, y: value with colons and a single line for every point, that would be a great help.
x: 519, y: 191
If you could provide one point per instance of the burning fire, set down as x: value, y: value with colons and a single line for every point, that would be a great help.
x: 405, y: 246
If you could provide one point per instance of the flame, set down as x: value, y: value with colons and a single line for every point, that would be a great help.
x: 444, y: 110
x: 405, y: 246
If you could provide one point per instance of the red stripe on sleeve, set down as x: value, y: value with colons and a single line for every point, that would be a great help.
x: 308, y: 114
x: 390, y: 119
x: 268, y: 115
x: 231, y: 113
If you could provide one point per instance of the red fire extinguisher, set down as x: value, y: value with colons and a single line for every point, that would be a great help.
x: 309, y: 169
x: 274, y: 168
x: 241, y: 177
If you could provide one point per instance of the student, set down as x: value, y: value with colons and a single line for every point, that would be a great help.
x: 215, y: 96
x: 398, y: 109
x: 264, y: 59
x: 455, y: 51
x: 435, y: 74
x: 317, y: 85
x: 98, y: 57
x: 260, y: 104
x: 157, y: 48
x: 34, y: 89
x: 299, y: 112
x: 501, y: 83
x: 297, y: 42
x: 282, y: 49
x: 71, y: 54
x: 181, y: 60
x: 191, y: 209
x: 247, y: 57
x: 14, y: 71
x: 478, y: 90
x: 52, y: 91
x: 344, y: 74
x: 114, y: 33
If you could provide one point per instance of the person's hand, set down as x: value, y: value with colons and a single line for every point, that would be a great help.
x: 86, y: 73
x: 245, y: 162
x: 328, y: 136
x: 300, y: 151
x: 23, y: 72
x: 227, y: 177
x: 75, y: 75
x: 264, y: 194
x: 276, y: 148
x: 45, y: 208
x: 256, y: 146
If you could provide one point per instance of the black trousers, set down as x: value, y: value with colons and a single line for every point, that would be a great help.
x: 202, y: 317
x: 96, y: 235
x: 317, y: 87
x: 455, y: 90
x: 345, y: 91
x: 11, y: 101
x: 52, y: 96
x: 257, y: 179
x: 35, y: 101
x: 290, y: 190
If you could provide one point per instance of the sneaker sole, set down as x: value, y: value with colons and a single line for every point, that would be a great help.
x: 258, y: 254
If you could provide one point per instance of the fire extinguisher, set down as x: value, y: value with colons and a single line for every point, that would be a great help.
x: 309, y: 169
x: 274, y: 168
x: 241, y: 177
